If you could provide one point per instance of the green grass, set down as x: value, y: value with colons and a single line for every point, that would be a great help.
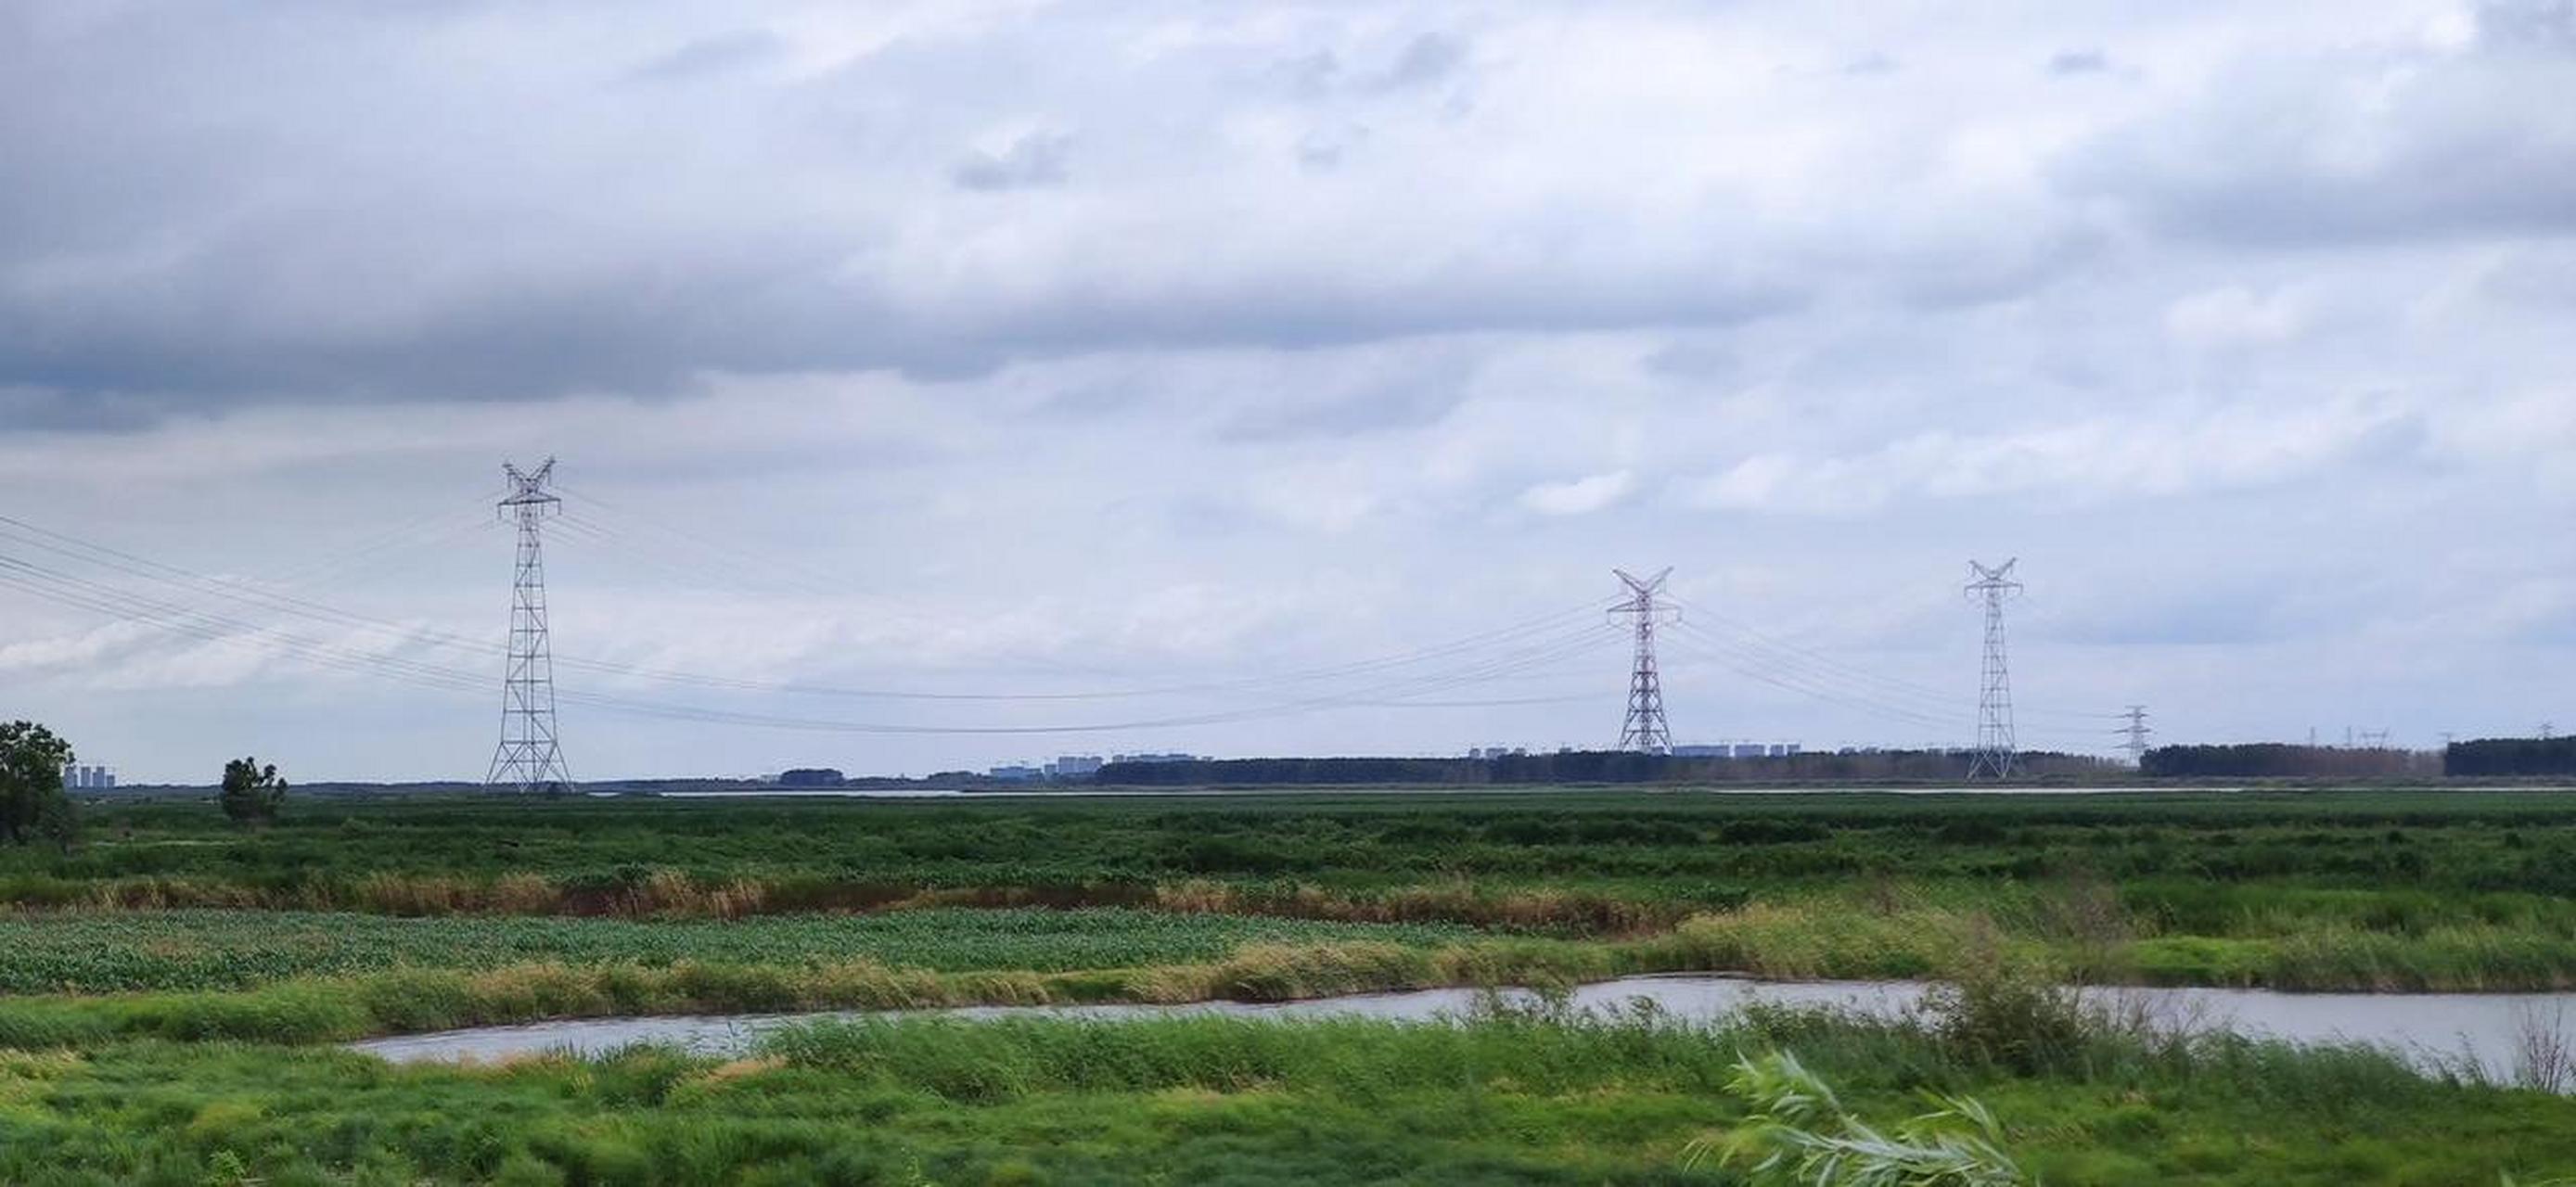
x: 2466, y: 890
x: 1205, y: 1100
x: 1706, y: 850
x: 140, y: 1043
x: 614, y: 968
x: 326, y: 1009
x: 119, y: 952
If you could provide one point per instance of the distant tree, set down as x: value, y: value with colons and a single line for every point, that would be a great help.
x: 252, y: 793
x: 32, y: 802
x: 2274, y: 760
x: 2511, y: 756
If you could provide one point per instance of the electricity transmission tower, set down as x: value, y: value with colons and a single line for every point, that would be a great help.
x: 1995, y: 748
x: 1645, y: 731
x: 528, y: 758
x: 2136, y: 732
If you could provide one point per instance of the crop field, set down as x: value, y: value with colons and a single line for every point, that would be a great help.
x: 170, y: 988
x: 183, y: 950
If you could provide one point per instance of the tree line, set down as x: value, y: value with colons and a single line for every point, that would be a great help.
x: 2511, y: 756
x: 1581, y: 766
x: 2278, y: 760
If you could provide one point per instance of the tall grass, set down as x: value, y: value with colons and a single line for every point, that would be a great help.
x: 405, y: 1000
x: 457, y: 973
x: 130, y: 951
x: 1517, y: 1097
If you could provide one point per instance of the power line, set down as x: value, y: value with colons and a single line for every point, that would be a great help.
x: 272, y: 601
x: 1760, y: 669
x: 1817, y: 667
x: 1406, y: 692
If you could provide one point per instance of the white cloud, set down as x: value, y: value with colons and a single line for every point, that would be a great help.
x: 2078, y: 463
x: 1258, y: 340
x: 1579, y: 496
x: 2234, y: 316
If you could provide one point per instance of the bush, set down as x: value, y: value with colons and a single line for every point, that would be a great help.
x: 2008, y: 1011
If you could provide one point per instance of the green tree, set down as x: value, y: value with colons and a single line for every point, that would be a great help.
x: 252, y: 793
x: 32, y: 803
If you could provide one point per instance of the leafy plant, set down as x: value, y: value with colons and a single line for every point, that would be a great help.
x: 1800, y: 1135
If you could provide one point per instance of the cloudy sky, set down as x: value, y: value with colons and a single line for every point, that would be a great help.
x: 1254, y: 379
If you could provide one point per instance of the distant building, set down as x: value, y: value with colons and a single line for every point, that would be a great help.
x: 1017, y: 774
x: 1074, y: 766
x: 78, y: 777
x: 1153, y: 758
x: 1700, y: 751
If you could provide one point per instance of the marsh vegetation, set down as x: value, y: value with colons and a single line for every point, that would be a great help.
x: 170, y: 989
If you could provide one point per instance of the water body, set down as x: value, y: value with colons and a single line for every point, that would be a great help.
x: 2429, y: 1029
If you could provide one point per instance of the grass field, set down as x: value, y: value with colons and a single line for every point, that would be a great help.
x: 190, y: 950
x: 1677, y: 848
x: 166, y: 988
x: 2316, y: 890
x: 1226, y: 1102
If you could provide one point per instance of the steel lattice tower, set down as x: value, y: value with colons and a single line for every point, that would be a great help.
x: 1995, y: 747
x: 528, y: 758
x: 2136, y: 732
x: 1645, y: 730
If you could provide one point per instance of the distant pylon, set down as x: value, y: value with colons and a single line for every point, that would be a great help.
x: 1995, y: 748
x: 1645, y: 730
x: 528, y: 758
x: 2136, y: 731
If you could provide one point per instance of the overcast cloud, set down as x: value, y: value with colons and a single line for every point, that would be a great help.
x: 955, y: 347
